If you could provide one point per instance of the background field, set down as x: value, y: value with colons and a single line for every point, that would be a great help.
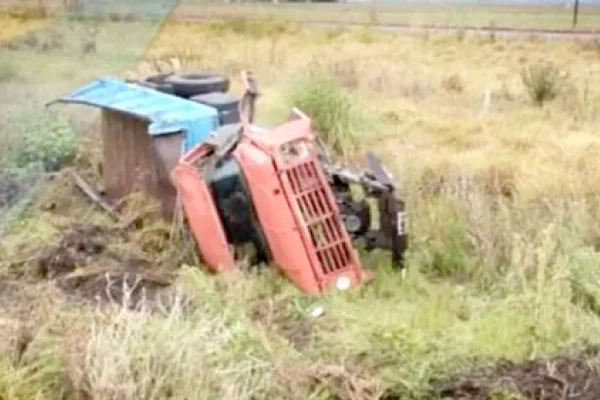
x: 502, y: 193
x: 531, y: 17
x: 517, y: 14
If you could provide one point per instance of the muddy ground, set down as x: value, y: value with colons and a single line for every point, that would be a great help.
x: 275, y: 314
x: 84, y: 268
x: 565, y: 377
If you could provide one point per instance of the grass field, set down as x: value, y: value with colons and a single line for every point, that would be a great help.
x: 503, y: 202
x: 473, y: 16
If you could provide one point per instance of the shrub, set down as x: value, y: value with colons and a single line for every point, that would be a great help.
x: 336, y: 116
x: 44, y: 139
x: 8, y: 72
x: 114, y: 17
x: 584, y: 279
x: 48, y: 40
x: 542, y: 81
x: 453, y: 83
x: 373, y: 17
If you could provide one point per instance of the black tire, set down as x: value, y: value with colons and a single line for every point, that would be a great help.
x: 192, y: 84
x: 157, y: 82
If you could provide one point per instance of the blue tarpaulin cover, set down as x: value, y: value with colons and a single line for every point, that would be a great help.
x: 166, y: 113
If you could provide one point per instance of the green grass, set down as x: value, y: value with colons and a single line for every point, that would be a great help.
x: 235, y: 337
x: 335, y: 114
x: 8, y: 72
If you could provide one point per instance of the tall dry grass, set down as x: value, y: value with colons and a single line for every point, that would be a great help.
x: 14, y: 26
x: 186, y: 353
x: 453, y: 14
x: 429, y: 93
x: 501, y: 193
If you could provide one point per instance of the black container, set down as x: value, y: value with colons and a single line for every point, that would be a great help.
x: 224, y: 103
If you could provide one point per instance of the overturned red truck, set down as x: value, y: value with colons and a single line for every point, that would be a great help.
x: 279, y: 190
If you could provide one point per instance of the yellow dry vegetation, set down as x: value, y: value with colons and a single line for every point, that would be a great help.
x: 12, y: 27
x: 481, y: 15
x: 432, y: 94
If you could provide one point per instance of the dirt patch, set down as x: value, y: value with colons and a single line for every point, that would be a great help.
x: 84, y: 269
x: 343, y: 381
x: 76, y: 248
x: 274, y: 313
x: 8, y: 288
x: 130, y: 283
x: 564, y: 377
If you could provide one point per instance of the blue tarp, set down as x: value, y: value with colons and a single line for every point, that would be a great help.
x: 166, y: 113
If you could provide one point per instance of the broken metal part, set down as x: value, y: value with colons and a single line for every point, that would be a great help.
x: 347, y: 175
x: 248, y: 101
x: 377, y: 183
x: 224, y: 139
x: 379, y: 171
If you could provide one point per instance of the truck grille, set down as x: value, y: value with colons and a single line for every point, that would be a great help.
x: 331, y: 247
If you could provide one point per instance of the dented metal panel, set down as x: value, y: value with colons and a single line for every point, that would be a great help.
x: 134, y: 160
x: 165, y: 113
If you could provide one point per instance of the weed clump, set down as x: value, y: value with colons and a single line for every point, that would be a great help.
x: 543, y: 82
x: 453, y: 83
x: 47, y: 41
x: 263, y: 28
x: 8, y: 72
x: 40, y: 372
x: 44, y: 139
x: 337, y: 117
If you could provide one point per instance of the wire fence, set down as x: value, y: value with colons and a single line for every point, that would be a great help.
x: 81, y: 41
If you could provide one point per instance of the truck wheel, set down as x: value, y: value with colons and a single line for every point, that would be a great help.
x: 188, y: 85
x: 157, y: 82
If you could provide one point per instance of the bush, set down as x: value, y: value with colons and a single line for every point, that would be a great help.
x: 542, y: 81
x: 336, y: 116
x: 584, y: 279
x: 44, y: 139
x: 47, y: 40
x: 8, y: 72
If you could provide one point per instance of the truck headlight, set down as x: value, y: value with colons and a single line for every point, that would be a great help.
x: 343, y: 283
